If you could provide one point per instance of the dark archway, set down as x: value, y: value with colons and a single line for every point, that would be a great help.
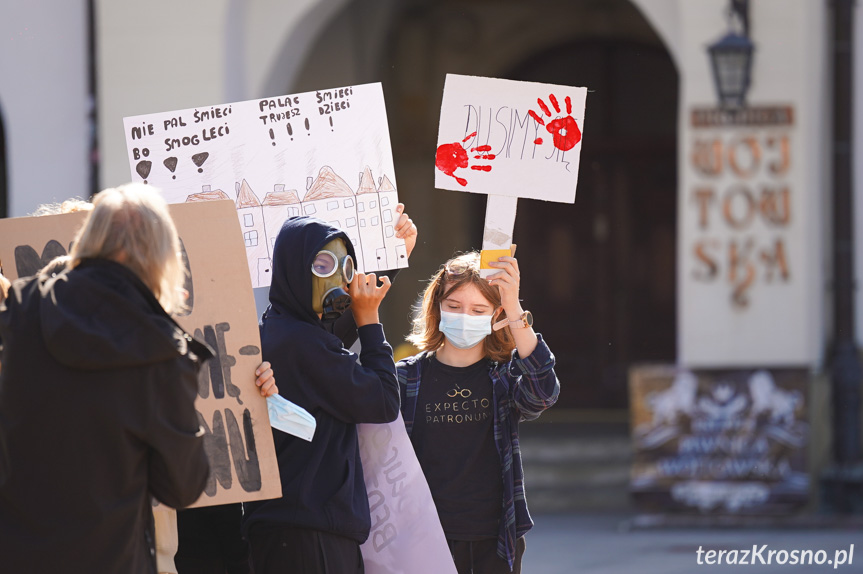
x: 600, y: 275
x: 602, y: 272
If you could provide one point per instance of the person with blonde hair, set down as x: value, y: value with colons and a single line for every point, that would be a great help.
x: 113, y: 422
x: 131, y: 225
x: 482, y: 370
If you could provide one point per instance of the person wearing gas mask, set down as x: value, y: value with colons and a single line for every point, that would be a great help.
x: 323, y: 515
x: 482, y: 370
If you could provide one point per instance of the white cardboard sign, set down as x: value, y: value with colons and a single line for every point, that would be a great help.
x: 325, y: 153
x: 503, y: 137
x: 406, y: 535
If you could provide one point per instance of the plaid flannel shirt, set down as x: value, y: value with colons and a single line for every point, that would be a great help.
x: 521, y: 388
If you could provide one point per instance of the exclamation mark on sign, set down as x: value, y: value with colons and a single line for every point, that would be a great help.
x: 290, y: 132
x: 331, y: 123
x: 199, y: 159
x: 143, y: 169
x: 307, y: 125
x: 272, y: 136
x: 171, y: 164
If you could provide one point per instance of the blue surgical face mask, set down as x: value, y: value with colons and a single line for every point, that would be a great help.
x: 290, y: 418
x: 464, y: 331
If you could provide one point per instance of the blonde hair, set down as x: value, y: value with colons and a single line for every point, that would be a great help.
x: 72, y: 205
x: 131, y: 224
x: 456, y: 273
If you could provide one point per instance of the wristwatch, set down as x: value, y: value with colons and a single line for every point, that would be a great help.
x: 521, y: 322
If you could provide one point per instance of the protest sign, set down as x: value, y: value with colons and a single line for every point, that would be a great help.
x: 326, y: 154
x: 406, y: 535
x: 508, y: 139
x: 719, y: 441
x: 231, y: 411
x: 502, y: 137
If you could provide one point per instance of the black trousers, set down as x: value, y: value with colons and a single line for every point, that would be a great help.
x: 210, y: 541
x: 282, y: 549
x: 480, y: 556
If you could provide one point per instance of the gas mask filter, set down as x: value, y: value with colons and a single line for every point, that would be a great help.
x: 332, y: 270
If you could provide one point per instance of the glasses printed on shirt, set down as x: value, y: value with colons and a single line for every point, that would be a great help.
x: 457, y: 392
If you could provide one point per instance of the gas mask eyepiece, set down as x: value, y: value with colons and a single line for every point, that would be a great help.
x: 332, y: 269
x: 327, y: 263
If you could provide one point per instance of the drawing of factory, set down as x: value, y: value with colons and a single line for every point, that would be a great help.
x: 366, y: 215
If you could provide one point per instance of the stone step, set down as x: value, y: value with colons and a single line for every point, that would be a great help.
x: 576, y: 468
x: 583, y: 450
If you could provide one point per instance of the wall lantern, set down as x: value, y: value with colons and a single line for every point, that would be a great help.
x: 731, y: 57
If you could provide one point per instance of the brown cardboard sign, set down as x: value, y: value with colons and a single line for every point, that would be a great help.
x: 238, y: 439
x: 723, y: 441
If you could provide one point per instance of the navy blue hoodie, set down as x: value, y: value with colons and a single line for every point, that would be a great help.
x: 322, y: 481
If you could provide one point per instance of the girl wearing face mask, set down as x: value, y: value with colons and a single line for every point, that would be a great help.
x: 482, y: 370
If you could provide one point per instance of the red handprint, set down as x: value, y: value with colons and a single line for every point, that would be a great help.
x: 564, y: 131
x: 452, y: 156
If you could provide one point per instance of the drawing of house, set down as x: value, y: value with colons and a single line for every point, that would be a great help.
x: 251, y: 215
x: 331, y: 199
x: 367, y: 216
x: 279, y: 205
x: 389, y: 198
x: 370, y: 224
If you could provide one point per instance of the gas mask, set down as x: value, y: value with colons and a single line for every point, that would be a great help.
x: 332, y: 270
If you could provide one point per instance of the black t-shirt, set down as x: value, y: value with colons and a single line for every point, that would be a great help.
x: 453, y: 436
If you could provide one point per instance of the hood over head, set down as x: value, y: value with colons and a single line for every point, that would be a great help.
x: 295, y: 249
x: 100, y: 315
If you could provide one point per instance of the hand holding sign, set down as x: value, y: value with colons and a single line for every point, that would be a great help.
x: 406, y: 229
x: 266, y: 380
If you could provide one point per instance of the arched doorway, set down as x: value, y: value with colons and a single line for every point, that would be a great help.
x: 605, y: 269
x: 598, y: 275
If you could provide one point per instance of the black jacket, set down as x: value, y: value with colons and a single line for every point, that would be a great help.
x: 97, y: 392
x: 322, y: 481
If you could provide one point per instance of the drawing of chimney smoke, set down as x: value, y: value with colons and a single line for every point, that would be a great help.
x: 207, y: 194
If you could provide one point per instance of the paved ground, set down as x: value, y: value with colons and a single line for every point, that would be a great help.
x: 603, y: 544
